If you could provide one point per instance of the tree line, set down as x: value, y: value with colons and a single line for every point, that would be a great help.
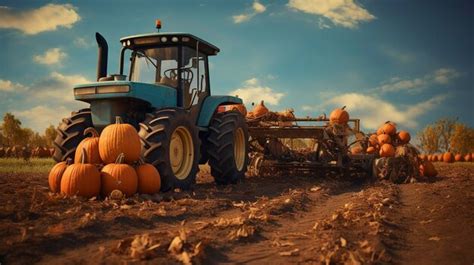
x: 13, y: 134
x: 447, y: 135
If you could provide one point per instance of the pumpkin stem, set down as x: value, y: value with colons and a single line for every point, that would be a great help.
x: 92, y: 131
x: 83, y: 156
x: 69, y: 161
x: 343, y: 108
x: 120, y: 159
x: 141, y: 161
x: 118, y: 120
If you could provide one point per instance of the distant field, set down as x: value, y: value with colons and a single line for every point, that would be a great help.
x: 34, y: 165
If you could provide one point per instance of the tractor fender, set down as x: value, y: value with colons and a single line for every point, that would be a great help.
x: 210, y: 105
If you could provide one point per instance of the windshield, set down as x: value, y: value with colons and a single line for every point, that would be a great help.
x: 155, y: 65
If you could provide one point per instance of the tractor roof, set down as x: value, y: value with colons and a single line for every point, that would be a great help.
x: 169, y: 38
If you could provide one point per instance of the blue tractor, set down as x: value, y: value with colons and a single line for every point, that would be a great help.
x: 167, y: 98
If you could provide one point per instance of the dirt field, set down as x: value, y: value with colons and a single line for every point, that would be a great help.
x: 272, y: 220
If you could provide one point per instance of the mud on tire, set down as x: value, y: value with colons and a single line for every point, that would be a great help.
x: 156, y: 133
x: 70, y: 134
x: 221, y: 147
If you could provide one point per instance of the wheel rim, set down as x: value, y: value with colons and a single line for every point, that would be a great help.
x: 239, y: 149
x: 181, y: 152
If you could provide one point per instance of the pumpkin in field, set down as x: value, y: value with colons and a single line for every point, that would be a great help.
x: 373, y: 141
x: 388, y: 127
x: 149, y: 180
x: 119, y: 176
x: 259, y: 110
x: 56, y: 174
x: 119, y: 138
x: 422, y: 157
x: 434, y: 158
x: 403, y: 137
x: 91, y: 145
x: 356, y: 150
x: 448, y: 157
x: 387, y: 150
x: 384, y: 139
x: 81, y: 179
x: 440, y: 157
x: 427, y: 169
x: 458, y: 158
x: 468, y: 158
x: 339, y: 116
x: 371, y: 150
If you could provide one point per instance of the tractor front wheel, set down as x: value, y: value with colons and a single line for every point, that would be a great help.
x: 70, y: 134
x: 228, y: 147
x: 170, y: 142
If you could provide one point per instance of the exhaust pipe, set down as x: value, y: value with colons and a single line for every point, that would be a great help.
x: 103, y: 53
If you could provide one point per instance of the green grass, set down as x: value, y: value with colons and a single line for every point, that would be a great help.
x: 34, y: 165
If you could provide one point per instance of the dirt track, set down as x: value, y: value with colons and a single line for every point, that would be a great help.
x: 277, y: 220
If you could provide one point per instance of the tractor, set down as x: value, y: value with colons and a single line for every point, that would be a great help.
x: 167, y: 98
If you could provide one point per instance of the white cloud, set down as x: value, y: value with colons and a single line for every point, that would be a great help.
x: 252, y: 91
x: 58, y: 87
x: 82, y: 43
x: 257, y: 8
x: 402, y: 57
x: 374, y: 111
x: 45, y: 18
x: 40, y: 117
x: 442, y: 76
x: 51, y: 56
x: 345, y: 13
x: 9, y: 86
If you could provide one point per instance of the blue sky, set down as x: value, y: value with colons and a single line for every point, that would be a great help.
x: 406, y: 61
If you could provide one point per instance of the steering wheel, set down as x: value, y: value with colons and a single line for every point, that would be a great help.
x: 171, y: 73
x: 187, y: 75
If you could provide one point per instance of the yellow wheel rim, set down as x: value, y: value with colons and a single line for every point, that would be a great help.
x: 239, y: 149
x: 181, y: 152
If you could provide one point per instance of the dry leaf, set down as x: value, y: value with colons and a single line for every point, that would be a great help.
x: 434, y: 238
x: 343, y: 242
x: 55, y: 229
x: 294, y: 252
x: 426, y: 222
x: 176, y: 245
x: 315, y: 189
x: 142, y: 246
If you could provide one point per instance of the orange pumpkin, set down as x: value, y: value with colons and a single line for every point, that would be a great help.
x: 81, y: 179
x: 119, y: 176
x: 389, y: 128
x: 440, y: 157
x: 240, y: 108
x: 434, y: 158
x: 468, y: 158
x: 458, y: 158
x: 403, y: 137
x: 371, y: 150
x: 91, y: 145
x: 260, y: 110
x: 119, y: 138
x: 149, y: 180
x: 339, y: 116
x: 422, y: 157
x: 448, y: 157
x: 387, y: 150
x: 384, y: 139
x: 56, y: 174
x: 356, y: 150
x: 373, y: 141
x: 427, y: 169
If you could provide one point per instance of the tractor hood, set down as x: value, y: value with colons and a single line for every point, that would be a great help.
x: 156, y: 95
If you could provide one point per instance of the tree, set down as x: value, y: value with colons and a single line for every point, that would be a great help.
x: 429, y: 139
x: 462, y: 139
x: 11, y: 129
x: 446, y: 129
x: 37, y: 140
x: 50, y: 134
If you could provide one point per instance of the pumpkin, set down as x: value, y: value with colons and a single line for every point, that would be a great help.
x: 427, y: 169
x: 250, y: 115
x: 149, y: 180
x: 259, y: 110
x: 468, y: 158
x: 384, y: 139
x: 422, y: 157
x: 373, y: 141
x: 440, y: 157
x: 434, y: 158
x: 389, y: 128
x: 91, y: 145
x: 339, y: 116
x: 458, y: 158
x: 356, y: 150
x: 240, y: 108
x: 387, y: 150
x: 371, y: 150
x: 119, y: 176
x: 81, y: 179
x: 403, y: 137
x: 56, y: 174
x: 119, y: 138
x: 448, y: 157
x: 429, y: 157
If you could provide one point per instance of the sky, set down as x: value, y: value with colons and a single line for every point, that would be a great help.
x: 406, y: 61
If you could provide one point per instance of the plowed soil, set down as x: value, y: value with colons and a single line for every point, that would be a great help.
x: 264, y: 220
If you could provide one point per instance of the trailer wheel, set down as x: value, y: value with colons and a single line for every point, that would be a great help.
x: 170, y: 142
x: 228, y: 147
x: 70, y: 134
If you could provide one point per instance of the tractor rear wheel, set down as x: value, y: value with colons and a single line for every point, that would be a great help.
x: 171, y: 143
x: 70, y: 134
x: 228, y: 147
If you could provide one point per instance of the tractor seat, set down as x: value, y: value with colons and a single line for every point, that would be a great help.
x: 169, y: 82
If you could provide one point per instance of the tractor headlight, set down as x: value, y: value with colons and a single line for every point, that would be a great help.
x: 84, y: 91
x: 112, y: 89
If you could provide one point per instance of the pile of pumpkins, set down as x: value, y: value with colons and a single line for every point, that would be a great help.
x: 447, y: 157
x: 387, y: 139
x: 106, y: 164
